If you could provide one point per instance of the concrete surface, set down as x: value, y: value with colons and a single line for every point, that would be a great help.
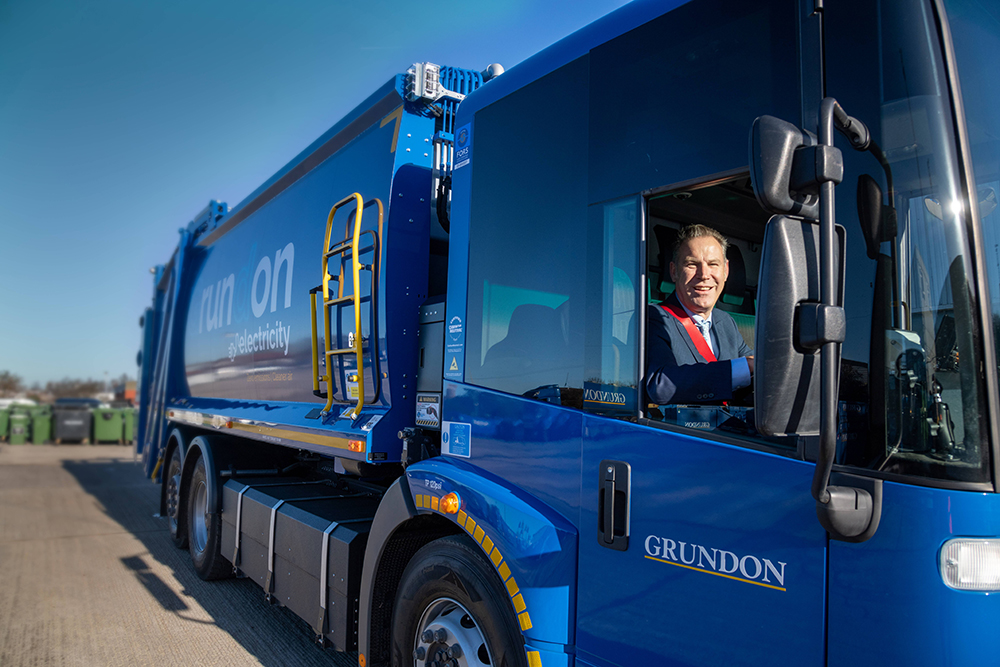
x: 90, y: 576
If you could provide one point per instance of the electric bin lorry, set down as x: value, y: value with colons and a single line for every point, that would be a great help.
x: 400, y: 386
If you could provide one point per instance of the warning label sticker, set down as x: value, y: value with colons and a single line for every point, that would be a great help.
x: 456, y: 439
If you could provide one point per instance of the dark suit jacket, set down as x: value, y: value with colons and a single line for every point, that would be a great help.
x: 676, y: 372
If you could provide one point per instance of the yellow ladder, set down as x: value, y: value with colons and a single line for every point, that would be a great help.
x: 350, y: 243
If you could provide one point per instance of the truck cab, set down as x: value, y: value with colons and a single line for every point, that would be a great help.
x: 435, y: 388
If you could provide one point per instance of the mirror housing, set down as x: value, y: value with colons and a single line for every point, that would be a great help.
x: 878, y: 221
x: 786, y: 363
x: 782, y: 169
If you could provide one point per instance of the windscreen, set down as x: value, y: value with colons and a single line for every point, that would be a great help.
x: 975, y: 29
x: 923, y: 379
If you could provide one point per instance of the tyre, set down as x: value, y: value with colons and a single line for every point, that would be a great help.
x: 452, y: 610
x: 172, y: 480
x: 204, y: 529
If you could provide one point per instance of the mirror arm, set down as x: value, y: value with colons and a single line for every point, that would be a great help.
x: 828, y: 297
x: 845, y: 512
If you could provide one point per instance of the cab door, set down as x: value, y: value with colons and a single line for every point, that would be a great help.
x: 723, y: 561
x: 697, y: 546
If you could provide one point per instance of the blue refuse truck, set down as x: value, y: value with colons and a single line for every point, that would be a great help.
x: 401, y: 385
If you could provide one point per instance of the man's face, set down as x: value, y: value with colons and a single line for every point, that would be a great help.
x: 700, y: 274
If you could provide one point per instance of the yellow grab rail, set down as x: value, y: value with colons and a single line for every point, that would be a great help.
x: 351, y: 243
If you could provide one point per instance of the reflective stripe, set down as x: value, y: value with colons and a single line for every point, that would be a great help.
x: 269, y: 587
x: 324, y: 570
x: 239, y: 520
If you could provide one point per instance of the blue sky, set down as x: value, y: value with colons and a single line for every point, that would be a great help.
x: 121, y: 119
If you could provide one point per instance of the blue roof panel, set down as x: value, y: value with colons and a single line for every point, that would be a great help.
x: 566, y: 50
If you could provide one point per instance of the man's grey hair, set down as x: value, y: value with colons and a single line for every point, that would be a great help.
x: 697, y: 231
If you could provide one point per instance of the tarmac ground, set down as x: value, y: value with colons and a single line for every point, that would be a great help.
x: 91, y: 577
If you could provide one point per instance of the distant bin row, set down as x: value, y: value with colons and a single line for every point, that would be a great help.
x: 21, y: 425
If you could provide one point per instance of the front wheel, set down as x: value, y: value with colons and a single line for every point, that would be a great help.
x: 204, y: 529
x: 452, y: 610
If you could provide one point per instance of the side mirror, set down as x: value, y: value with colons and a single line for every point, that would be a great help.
x: 801, y: 297
x: 777, y: 166
x: 786, y: 361
x: 878, y: 222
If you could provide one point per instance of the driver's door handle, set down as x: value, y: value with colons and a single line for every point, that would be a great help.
x: 614, y: 504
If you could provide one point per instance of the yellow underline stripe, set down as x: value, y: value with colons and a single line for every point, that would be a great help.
x: 718, y: 574
x: 593, y: 400
x: 328, y: 441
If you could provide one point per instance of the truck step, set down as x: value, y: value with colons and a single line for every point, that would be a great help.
x: 290, y: 534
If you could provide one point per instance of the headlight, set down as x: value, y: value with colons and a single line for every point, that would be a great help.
x: 971, y: 564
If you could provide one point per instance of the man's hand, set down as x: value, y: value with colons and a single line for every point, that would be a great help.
x: 750, y: 364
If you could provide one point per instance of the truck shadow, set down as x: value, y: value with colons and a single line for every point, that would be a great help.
x: 270, y: 633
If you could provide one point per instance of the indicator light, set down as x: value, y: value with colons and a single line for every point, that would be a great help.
x: 971, y: 564
x: 229, y: 424
x: 356, y: 445
x: 451, y: 503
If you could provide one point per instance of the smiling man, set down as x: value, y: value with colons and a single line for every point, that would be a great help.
x: 695, y: 353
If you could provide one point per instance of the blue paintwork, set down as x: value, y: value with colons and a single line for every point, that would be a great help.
x: 528, y: 444
x: 888, y: 603
x: 551, y: 655
x: 538, y: 544
x: 531, y: 478
x: 626, y: 18
x: 147, y: 354
x: 152, y: 325
x: 458, y: 257
x: 237, y: 332
x: 167, y: 375
x: 683, y: 488
x: 724, y: 497
x: 218, y: 361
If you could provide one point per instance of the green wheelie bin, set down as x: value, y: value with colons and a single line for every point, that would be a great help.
x: 108, y: 426
x: 128, y: 419
x: 4, y: 423
x: 20, y: 427
x: 41, y: 424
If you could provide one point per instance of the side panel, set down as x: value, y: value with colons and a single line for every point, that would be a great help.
x: 888, y: 603
x: 165, y: 371
x: 236, y: 348
x: 532, y: 547
x: 147, y: 354
x: 725, y: 563
x: 530, y: 445
x: 248, y: 325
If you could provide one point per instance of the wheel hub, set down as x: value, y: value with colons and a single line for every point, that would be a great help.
x: 199, y: 520
x: 449, y: 636
x: 173, y: 486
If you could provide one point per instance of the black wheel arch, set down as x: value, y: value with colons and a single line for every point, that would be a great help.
x: 397, y: 533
